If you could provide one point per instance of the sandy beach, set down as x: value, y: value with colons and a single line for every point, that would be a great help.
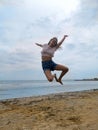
x: 64, y: 111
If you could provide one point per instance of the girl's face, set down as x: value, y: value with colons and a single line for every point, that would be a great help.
x: 53, y: 42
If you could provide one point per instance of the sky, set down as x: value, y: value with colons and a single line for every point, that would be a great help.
x: 25, y: 22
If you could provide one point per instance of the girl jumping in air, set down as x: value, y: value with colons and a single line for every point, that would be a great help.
x: 48, y: 64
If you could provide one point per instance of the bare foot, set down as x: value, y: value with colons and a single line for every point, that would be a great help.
x: 58, y: 80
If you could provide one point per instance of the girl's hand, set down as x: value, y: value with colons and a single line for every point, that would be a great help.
x: 65, y: 36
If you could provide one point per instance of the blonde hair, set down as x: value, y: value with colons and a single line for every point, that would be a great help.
x: 53, y: 39
x: 55, y: 43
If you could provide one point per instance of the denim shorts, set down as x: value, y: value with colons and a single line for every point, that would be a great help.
x: 48, y: 65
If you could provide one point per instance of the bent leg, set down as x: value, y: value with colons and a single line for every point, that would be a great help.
x: 49, y: 75
x: 64, y: 70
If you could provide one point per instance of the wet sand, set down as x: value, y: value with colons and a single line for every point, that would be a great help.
x: 65, y: 111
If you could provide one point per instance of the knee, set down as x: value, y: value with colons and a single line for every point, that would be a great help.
x: 50, y: 79
x: 66, y: 69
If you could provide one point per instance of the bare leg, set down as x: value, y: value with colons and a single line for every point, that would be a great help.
x: 64, y: 71
x: 58, y: 80
x: 49, y: 75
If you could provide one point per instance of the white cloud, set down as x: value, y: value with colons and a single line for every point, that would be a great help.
x: 50, y: 7
x: 11, y: 2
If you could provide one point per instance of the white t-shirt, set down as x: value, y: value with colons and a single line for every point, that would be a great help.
x: 48, y: 51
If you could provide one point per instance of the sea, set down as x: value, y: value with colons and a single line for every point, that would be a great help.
x: 26, y: 88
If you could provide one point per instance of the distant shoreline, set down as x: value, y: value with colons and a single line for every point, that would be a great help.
x: 94, y: 79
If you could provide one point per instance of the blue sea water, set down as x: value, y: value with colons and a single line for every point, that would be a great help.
x: 26, y: 88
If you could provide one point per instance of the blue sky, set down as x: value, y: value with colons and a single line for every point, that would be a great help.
x: 25, y: 22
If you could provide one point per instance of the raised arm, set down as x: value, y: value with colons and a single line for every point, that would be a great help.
x: 62, y: 40
x: 39, y: 44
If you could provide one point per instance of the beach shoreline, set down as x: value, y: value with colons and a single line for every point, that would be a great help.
x: 61, y: 111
